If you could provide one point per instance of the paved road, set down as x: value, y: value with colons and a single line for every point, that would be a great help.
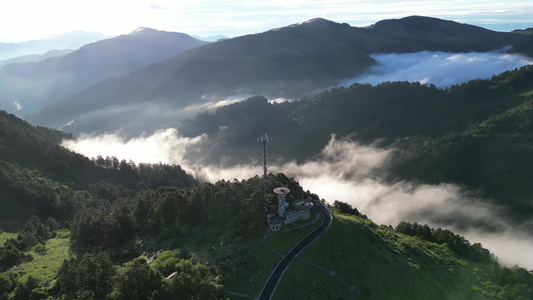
x: 272, y: 282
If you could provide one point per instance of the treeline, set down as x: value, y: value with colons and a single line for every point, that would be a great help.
x: 233, y: 209
x: 458, y: 244
x: 25, y: 190
x: 38, y: 148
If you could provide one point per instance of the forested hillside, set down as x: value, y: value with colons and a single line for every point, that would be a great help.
x: 40, y: 177
x: 76, y: 228
x: 475, y: 134
x: 288, y: 62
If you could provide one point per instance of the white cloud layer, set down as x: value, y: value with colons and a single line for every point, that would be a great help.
x: 439, y: 68
x: 346, y: 171
x: 165, y: 146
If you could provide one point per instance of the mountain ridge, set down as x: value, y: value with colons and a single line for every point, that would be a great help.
x: 289, y: 62
x: 67, y: 40
x: 35, y: 85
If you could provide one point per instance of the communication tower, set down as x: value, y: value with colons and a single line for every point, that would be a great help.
x: 264, y: 139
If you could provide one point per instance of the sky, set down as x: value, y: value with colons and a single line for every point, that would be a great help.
x: 23, y: 20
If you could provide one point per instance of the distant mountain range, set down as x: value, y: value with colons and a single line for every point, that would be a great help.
x: 35, y: 57
x: 69, y: 40
x: 289, y: 62
x: 214, y: 38
x: 35, y: 85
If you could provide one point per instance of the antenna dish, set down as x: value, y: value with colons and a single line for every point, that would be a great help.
x: 281, y: 191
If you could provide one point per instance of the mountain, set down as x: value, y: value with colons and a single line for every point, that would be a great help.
x: 213, y: 38
x: 35, y: 85
x: 287, y: 62
x: 35, y: 57
x: 528, y: 31
x: 135, y: 233
x: 69, y: 40
x: 417, y: 33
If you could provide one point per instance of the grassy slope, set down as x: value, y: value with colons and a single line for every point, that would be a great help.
x: 263, y: 260
x: 380, y: 264
x: 44, y: 267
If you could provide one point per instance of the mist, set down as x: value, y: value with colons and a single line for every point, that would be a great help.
x: 439, y: 68
x: 350, y: 172
x: 140, y: 118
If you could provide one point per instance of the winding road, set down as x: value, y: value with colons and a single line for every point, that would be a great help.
x: 272, y: 282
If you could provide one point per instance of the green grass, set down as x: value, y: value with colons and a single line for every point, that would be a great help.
x: 44, y: 267
x: 302, y: 281
x: 283, y: 241
x: 255, y: 272
x: 260, y: 260
x: 380, y: 264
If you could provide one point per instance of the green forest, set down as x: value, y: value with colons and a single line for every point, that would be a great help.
x: 73, y: 227
x: 476, y: 134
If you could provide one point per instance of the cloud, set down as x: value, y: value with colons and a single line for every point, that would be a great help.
x: 131, y: 120
x: 214, y: 104
x: 69, y: 123
x: 349, y: 172
x: 165, y: 146
x: 17, y: 105
x: 439, y: 68
x: 278, y: 100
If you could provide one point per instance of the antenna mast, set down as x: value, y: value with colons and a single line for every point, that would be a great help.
x: 264, y: 139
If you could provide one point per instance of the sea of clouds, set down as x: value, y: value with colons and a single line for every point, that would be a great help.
x: 442, y: 69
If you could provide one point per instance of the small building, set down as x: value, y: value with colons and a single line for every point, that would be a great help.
x: 275, y: 223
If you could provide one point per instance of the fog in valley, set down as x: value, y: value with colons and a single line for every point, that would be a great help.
x: 349, y: 172
x: 439, y: 68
